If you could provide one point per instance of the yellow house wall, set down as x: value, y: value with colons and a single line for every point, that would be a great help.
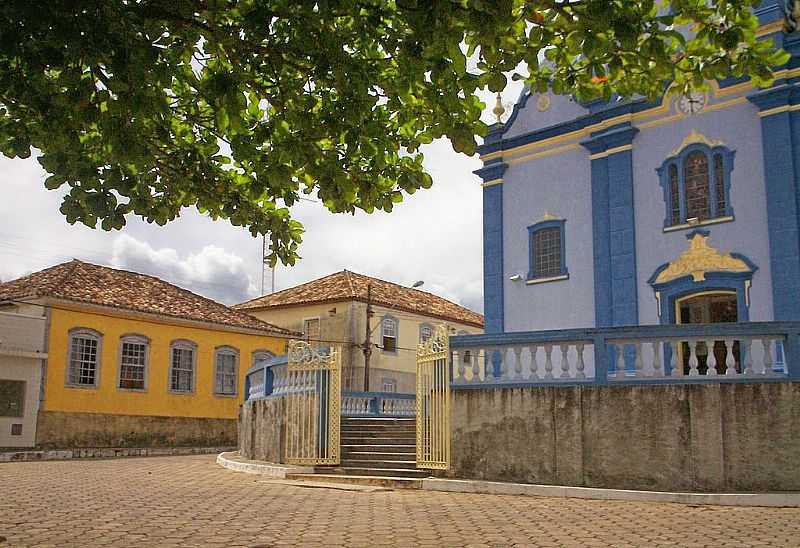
x: 156, y: 400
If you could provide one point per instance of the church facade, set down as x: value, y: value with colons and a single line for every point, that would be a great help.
x: 683, y: 210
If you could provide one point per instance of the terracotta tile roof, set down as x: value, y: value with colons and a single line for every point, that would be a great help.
x: 92, y: 284
x: 346, y: 286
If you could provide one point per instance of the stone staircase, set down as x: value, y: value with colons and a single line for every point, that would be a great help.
x: 375, y: 451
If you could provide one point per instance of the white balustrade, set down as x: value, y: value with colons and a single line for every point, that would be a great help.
x: 633, y: 358
x: 708, y: 356
x: 355, y: 405
x: 398, y: 407
x: 523, y: 363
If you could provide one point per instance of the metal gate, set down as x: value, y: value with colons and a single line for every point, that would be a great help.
x: 433, y: 401
x: 313, y: 404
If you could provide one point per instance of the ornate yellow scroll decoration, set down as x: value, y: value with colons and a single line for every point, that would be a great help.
x: 699, y: 259
x: 695, y: 137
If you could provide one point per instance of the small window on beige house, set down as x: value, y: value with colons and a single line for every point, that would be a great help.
x: 389, y: 332
x: 12, y: 398
x: 311, y: 329
x: 389, y: 385
x: 425, y: 332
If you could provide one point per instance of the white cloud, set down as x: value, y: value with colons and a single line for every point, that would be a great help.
x: 212, y: 272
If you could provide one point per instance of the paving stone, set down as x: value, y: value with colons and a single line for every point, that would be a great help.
x: 191, y: 501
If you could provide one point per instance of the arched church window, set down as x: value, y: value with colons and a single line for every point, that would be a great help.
x: 696, y: 182
x: 695, y: 169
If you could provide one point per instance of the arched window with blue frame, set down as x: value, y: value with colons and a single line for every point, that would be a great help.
x: 547, y: 250
x: 696, y: 182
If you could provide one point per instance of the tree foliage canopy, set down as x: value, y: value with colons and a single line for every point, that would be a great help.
x: 239, y: 107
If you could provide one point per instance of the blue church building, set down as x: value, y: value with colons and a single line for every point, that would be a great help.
x: 627, y: 213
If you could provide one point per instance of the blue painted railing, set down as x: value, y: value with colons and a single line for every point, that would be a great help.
x: 642, y: 354
x: 259, y: 380
x: 378, y: 404
x: 270, y: 379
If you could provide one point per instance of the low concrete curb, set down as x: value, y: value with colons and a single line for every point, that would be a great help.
x: 105, y: 453
x: 718, y: 499
x: 233, y: 461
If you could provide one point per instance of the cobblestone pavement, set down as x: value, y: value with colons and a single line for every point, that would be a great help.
x: 190, y: 501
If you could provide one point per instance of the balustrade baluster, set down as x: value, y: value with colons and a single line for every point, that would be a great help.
x: 517, y: 363
x: 565, y: 361
x: 730, y: 359
x: 638, y: 365
x: 766, y: 343
x: 693, y: 372
x: 675, y: 370
x: 747, y: 346
x: 548, y: 364
x: 711, y: 358
x: 499, y: 366
x: 580, y: 366
x: 533, y: 373
x: 656, y: 371
x: 619, y: 367
x: 462, y: 369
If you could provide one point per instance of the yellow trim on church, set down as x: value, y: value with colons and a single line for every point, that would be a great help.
x: 699, y: 259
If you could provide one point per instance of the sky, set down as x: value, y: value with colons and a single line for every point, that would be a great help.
x: 434, y: 236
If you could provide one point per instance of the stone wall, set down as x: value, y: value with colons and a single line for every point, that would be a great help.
x: 262, y: 430
x: 701, y: 437
x: 71, y: 430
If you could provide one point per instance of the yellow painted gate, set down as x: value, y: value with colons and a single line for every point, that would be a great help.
x: 433, y: 401
x: 313, y: 404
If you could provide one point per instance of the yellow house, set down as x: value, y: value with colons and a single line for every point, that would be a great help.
x: 135, y: 361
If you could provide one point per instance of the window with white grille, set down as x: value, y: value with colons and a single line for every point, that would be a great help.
x: 83, y: 362
x: 133, y: 362
x: 389, y: 332
x: 425, y: 332
x: 182, y: 365
x: 225, y: 379
x: 389, y: 385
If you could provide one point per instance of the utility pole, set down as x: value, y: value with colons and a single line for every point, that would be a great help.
x: 263, y: 260
x: 264, y: 265
x: 367, y: 347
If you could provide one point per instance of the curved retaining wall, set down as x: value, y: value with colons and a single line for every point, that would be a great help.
x: 677, y: 437
x: 262, y: 432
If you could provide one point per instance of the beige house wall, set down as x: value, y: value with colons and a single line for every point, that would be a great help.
x: 344, y: 323
x: 22, y: 357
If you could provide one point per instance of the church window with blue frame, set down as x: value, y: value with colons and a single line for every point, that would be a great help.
x: 547, y: 250
x: 696, y: 184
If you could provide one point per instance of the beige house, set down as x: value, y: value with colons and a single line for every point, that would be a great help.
x: 22, y: 359
x: 333, y: 310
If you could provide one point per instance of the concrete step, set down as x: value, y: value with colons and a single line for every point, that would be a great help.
x: 382, y: 472
x: 377, y: 421
x: 390, y: 482
x: 377, y: 429
x: 394, y: 464
x: 377, y: 455
x: 363, y: 440
x: 382, y: 448
x: 379, y: 434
